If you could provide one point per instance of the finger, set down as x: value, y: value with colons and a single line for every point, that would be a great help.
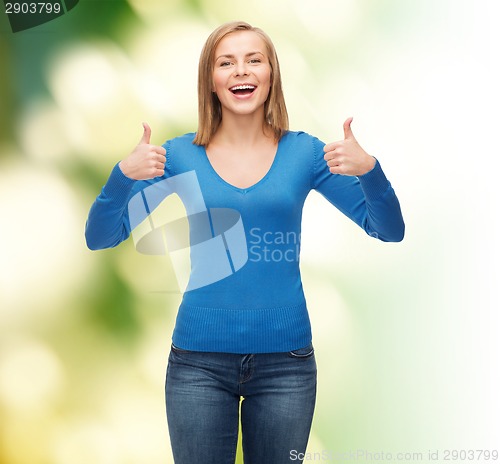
x: 329, y: 156
x: 160, y: 171
x: 347, y: 128
x: 146, y: 136
x: 333, y: 154
x: 332, y: 146
x: 159, y: 150
x: 333, y: 163
x: 337, y: 170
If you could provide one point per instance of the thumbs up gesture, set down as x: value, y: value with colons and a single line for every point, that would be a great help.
x: 346, y: 156
x: 146, y: 161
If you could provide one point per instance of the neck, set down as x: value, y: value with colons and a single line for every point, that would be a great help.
x: 243, y: 130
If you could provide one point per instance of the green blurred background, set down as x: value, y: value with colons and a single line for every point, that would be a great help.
x: 406, y: 334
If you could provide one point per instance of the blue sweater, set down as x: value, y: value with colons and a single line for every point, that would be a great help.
x: 257, y: 304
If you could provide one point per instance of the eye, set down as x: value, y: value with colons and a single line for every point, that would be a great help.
x: 255, y: 60
x: 224, y: 63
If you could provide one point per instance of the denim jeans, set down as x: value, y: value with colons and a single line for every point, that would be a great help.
x: 203, y: 392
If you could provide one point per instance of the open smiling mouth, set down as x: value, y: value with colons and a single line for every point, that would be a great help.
x: 244, y: 89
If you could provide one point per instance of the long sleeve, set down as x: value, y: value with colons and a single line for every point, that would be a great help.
x: 369, y: 200
x: 107, y: 224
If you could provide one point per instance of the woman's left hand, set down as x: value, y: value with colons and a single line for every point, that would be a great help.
x: 346, y: 156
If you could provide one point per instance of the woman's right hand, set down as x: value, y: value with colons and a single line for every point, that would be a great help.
x: 146, y: 161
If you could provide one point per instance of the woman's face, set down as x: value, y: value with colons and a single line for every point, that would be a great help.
x: 242, y: 74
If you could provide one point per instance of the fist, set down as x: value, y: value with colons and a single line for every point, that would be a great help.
x: 146, y: 161
x: 346, y: 156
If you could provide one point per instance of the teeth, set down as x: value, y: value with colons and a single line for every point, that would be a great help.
x: 243, y: 87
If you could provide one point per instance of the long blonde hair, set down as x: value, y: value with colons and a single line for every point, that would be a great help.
x: 209, y: 107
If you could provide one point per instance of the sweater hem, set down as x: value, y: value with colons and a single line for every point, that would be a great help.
x: 260, y: 330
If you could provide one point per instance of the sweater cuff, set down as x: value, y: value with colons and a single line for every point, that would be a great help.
x: 374, y: 183
x: 118, y: 184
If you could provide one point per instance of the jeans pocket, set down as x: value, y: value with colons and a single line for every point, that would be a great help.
x: 302, y: 353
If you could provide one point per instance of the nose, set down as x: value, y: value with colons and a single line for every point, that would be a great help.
x: 240, y: 69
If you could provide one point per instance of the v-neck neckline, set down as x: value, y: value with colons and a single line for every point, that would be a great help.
x: 254, y: 185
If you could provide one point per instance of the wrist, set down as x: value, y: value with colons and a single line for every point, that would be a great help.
x: 124, y: 168
x: 368, y: 165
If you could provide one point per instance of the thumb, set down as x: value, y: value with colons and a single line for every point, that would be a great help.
x: 146, y: 136
x: 347, y: 129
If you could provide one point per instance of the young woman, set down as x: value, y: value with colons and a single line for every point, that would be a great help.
x: 245, y: 334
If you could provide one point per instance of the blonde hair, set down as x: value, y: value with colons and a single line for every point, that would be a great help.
x: 209, y: 107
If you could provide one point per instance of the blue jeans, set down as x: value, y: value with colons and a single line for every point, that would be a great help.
x: 203, y: 392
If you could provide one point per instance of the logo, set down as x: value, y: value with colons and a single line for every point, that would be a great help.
x: 204, y: 244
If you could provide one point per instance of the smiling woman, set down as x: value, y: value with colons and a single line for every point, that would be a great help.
x: 243, y: 50
x: 242, y: 79
x: 247, y: 334
x: 241, y: 84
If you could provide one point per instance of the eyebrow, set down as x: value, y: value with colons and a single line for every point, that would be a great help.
x: 247, y: 55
